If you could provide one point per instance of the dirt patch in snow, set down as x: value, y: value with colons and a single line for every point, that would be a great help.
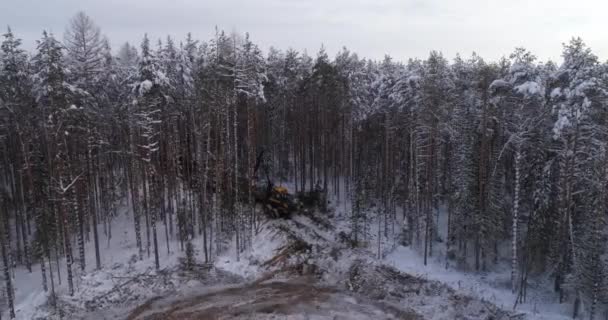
x: 294, y: 299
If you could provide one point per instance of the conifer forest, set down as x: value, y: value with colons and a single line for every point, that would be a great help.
x: 478, y: 166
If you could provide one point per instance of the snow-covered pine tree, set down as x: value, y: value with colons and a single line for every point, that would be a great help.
x: 149, y: 100
x: 521, y: 97
x: 84, y: 49
x: 15, y: 94
x: 436, y: 86
x: 579, y: 97
x: 51, y: 93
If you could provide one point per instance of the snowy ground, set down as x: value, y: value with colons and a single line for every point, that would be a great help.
x: 306, y: 246
x: 97, y: 289
x: 541, y: 304
x: 489, y: 286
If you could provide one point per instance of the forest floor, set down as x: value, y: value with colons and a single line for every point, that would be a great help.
x: 298, y: 268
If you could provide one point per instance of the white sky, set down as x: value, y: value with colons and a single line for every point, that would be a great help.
x: 401, y: 28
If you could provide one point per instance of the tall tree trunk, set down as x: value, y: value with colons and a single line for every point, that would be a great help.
x: 7, y: 265
x: 515, y: 219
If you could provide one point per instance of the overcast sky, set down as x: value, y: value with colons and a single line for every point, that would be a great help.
x: 401, y: 28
